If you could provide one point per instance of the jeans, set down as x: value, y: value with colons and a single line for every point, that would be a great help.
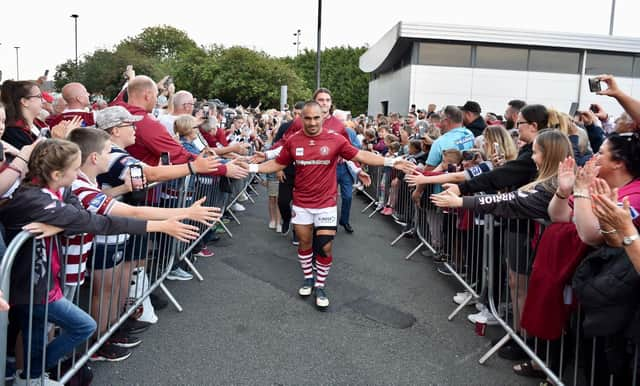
x: 345, y: 183
x: 76, y: 326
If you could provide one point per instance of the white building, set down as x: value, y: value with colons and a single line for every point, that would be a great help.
x: 450, y: 64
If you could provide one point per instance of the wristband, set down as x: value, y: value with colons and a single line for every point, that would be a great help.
x: 190, y: 168
x: 608, y: 232
x: 23, y: 160
x: 580, y: 195
x: 561, y: 197
x: 388, y: 162
x: 254, y: 168
x: 15, y: 169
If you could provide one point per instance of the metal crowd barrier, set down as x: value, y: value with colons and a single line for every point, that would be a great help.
x: 112, y: 295
x: 492, y: 259
x: 371, y: 191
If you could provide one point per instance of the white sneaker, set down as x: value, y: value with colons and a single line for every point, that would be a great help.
x: 238, y: 207
x: 461, y: 297
x: 358, y: 186
x: 44, y: 380
x: 484, y: 316
x: 179, y: 274
x: 279, y: 228
x: 272, y: 225
x: 243, y: 197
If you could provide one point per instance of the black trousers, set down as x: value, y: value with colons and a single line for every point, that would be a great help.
x: 285, y: 196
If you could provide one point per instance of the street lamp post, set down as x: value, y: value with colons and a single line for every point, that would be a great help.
x: 297, y: 42
x: 17, y: 63
x: 318, y: 46
x: 75, y: 21
x: 613, y: 13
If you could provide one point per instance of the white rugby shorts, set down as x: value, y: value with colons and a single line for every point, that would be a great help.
x: 320, y: 218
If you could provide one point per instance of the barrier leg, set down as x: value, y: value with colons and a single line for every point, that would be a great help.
x: 170, y: 297
x: 494, y: 349
x: 225, y: 228
x: 460, y: 307
x: 254, y: 192
x: 193, y: 268
x: 233, y: 215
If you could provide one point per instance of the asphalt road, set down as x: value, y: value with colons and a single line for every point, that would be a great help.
x: 245, y: 324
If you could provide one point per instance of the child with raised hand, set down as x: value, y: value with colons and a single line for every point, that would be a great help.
x: 95, y: 147
x: 45, y: 196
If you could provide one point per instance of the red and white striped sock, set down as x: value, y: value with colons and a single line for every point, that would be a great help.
x: 323, y: 265
x: 305, y: 258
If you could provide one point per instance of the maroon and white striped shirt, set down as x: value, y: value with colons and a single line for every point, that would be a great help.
x: 77, y: 248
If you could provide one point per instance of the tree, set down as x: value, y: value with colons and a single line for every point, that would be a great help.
x: 236, y: 75
x: 339, y: 72
x: 248, y: 77
x: 164, y: 43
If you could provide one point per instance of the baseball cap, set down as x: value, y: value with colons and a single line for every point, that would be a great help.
x: 114, y: 116
x: 472, y: 107
x: 47, y: 97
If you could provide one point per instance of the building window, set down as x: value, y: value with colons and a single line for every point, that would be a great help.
x: 636, y: 67
x: 501, y: 58
x: 439, y: 54
x: 618, y: 65
x: 554, y: 61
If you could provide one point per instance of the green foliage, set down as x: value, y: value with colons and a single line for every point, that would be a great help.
x: 236, y: 75
x: 339, y: 72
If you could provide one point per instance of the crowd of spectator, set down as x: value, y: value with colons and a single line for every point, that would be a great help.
x: 67, y: 170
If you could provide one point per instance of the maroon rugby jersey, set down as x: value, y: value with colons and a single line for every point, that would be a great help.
x: 332, y: 124
x: 88, y: 118
x: 316, y: 159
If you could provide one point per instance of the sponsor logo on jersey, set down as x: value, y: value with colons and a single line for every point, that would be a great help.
x: 324, y: 150
x: 299, y: 151
x: 97, y: 201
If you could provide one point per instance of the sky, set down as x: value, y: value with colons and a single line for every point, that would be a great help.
x: 44, y: 30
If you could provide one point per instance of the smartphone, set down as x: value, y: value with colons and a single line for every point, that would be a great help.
x: 46, y: 72
x: 594, y: 108
x: 496, y: 148
x: 594, y: 85
x: 205, y: 111
x: 1, y: 152
x: 164, y: 158
x: 137, y: 181
x: 632, y: 211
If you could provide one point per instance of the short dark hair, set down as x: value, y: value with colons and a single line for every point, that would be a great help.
x: 89, y: 141
x: 517, y: 104
x: 453, y: 113
x: 299, y: 105
x: 537, y: 114
x: 311, y: 103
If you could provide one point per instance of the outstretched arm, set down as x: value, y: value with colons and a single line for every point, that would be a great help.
x: 367, y: 157
x: 267, y: 167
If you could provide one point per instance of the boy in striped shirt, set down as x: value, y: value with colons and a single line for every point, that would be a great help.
x: 107, y: 275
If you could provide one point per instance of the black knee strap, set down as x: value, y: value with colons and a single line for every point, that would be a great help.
x: 320, y: 241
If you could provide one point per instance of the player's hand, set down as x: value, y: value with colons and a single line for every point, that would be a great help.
x: 281, y: 176
x: 236, y: 171
x: 258, y: 157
